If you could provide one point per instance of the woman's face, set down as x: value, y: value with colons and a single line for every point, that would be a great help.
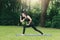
x: 23, y: 15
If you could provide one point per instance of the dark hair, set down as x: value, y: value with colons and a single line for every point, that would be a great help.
x: 24, y: 12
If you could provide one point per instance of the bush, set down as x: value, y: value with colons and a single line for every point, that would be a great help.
x: 53, y: 15
x: 56, y: 22
x: 8, y: 13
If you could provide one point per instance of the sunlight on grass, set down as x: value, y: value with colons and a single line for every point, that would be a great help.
x: 9, y: 33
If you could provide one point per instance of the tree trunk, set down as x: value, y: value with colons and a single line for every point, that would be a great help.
x: 44, y: 5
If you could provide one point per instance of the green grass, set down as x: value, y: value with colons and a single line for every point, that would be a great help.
x: 9, y: 33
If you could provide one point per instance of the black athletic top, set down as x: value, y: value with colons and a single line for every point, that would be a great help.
x: 26, y: 21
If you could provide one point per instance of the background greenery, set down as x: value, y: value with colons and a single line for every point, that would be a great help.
x: 11, y: 9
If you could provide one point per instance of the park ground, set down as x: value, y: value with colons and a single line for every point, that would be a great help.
x: 9, y: 33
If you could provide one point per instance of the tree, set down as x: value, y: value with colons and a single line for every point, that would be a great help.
x: 44, y: 5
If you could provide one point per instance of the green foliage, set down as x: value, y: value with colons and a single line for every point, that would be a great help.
x: 11, y: 9
x: 8, y: 12
x: 53, y: 16
x: 56, y: 21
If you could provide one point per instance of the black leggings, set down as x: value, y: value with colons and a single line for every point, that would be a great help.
x: 31, y: 25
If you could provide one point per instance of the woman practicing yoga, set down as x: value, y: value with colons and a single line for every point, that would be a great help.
x: 27, y: 21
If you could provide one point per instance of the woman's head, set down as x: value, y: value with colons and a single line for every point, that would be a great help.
x: 24, y: 13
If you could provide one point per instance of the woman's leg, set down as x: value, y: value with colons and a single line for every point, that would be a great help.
x: 24, y: 28
x: 37, y: 30
x: 32, y: 25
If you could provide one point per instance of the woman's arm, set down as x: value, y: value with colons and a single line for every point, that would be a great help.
x: 21, y: 20
x: 30, y: 20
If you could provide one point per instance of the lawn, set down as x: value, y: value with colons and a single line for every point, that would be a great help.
x: 9, y: 33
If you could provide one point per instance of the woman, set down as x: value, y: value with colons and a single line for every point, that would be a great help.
x: 28, y: 22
